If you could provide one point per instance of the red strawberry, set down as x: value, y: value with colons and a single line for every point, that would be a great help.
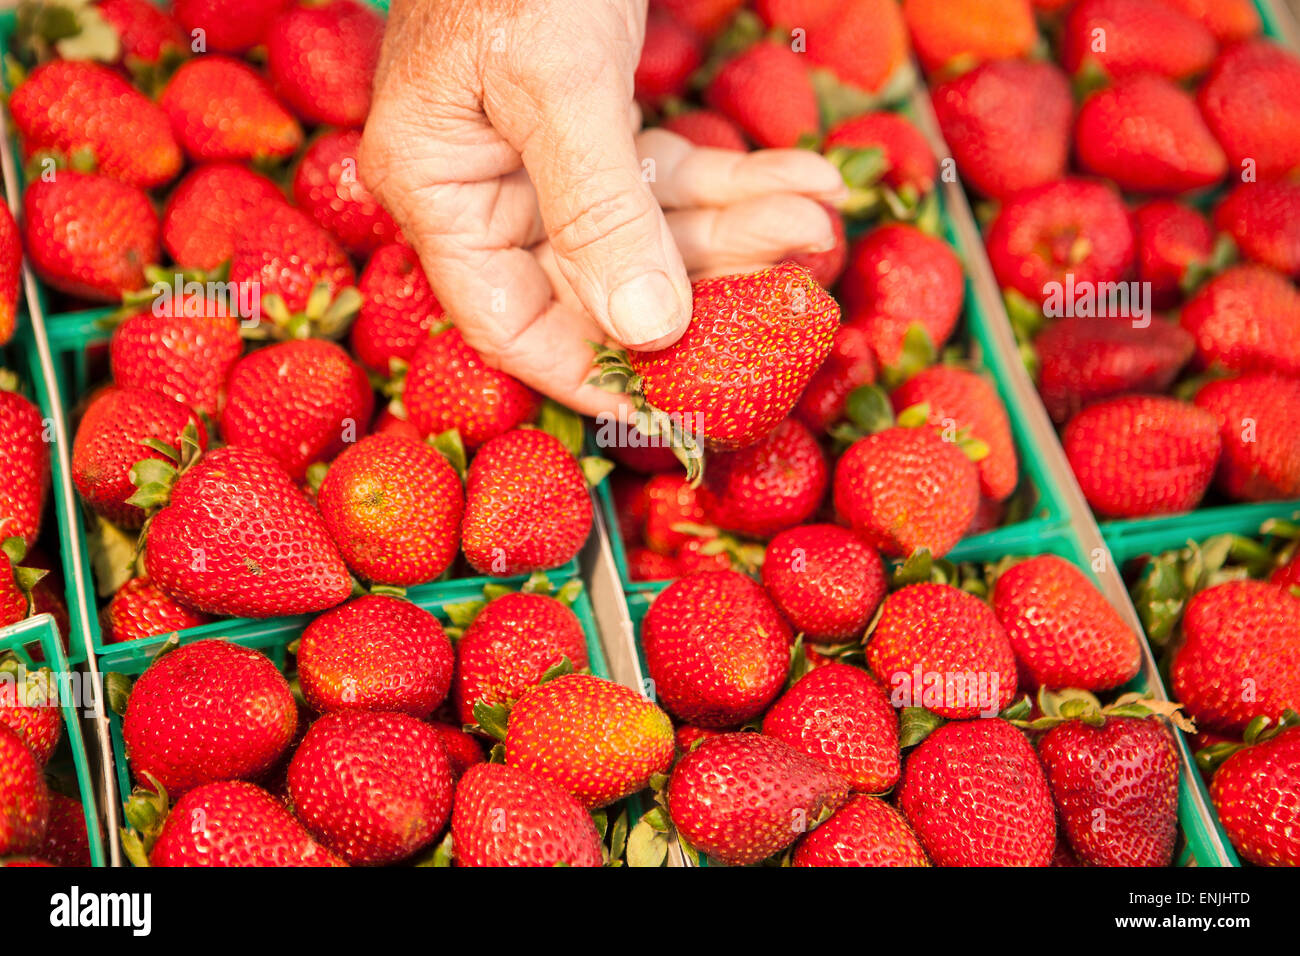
x: 210, y: 208
x: 372, y: 787
x: 909, y: 162
x: 1254, y: 793
x: 828, y: 265
x: 89, y: 236
x: 1064, y: 632
x: 851, y: 364
x: 393, y: 506
x: 866, y: 831
x: 906, y: 488
x: 322, y: 59
x: 505, y: 816
x: 527, y: 507
x: 205, y: 712
x: 1147, y: 135
x: 669, y: 501
x: 229, y: 26
x: 707, y: 128
x: 75, y: 107
x: 1264, y: 220
x: 950, y: 33
x: 1250, y: 104
x: 29, y: 706
x: 326, y: 185
x: 636, y: 450
x: 1008, y: 124
x: 1171, y: 238
x: 767, y: 91
x: 962, y: 401
x: 140, y: 609
x: 1259, y: 425
x: 110, y: 441
x: 670, y: 54
x: 66, y: 840
x: 646, y: 565
x: 863, y: 43
x: 975, y: 794
x: 509, y: 645
x: 237, y: 537
x: 24, y: 798
x: 825, y: 580
x: 148, y: 35
x: 741, y: 798
x: 627, y: 492
x: 182, y: 351
x: 1228, y: 20
x: 398, y: 309
x: 24, y: 465
x: 1240, y: 656
x: 1246, y: 319
x: 941, y: 648
x: 716, y: 648
x: 697, y: 555
x: 234, y: 823
x: 299, y: 402
x: 11, y: 262
x: 463, y: 749
x: 838, y: 715
x: 289, y: 257
x: 220, y: 108
x: 593, y: 738
x: 449, y: 386
x: 1127, y: 37
x: 1288, y: 575
x: 1139, y: 455
x: 375, y: 653
x: 1116, y: 787
x: 773, y: 484
x: 687, y: 736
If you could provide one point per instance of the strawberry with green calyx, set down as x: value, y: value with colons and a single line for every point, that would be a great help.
x: 669, y: 503
x: 29, y: 706
x: 16, y: 582
x: 886, y: 163
x: 1261, y: 220
x: 24, y: 797
x: 866, y: 831
x: 851, y: 364
x: 209, y: 209
x: 708, y: 549
x: 1255, y: 787
x: 753, y: 343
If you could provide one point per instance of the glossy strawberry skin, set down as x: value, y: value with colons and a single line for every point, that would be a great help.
x: 1240, y: 656
x: 463, y: 749
x: 327, y: 185
x: 1255, y: 795
x: 205, y: 712
x: 785, y: 323
x: 66, y: 840
x: 825, y: 579
x: 289, y: 255
x: 229, y: 26
x: 373, y: 787
x: 1185, y: 47
x: 1259, y: 426
x: 850, y: 365
x: 527, y: 507
x: 768, y: 92
x: 1116, y: 787
x: 668, y: 501
x: 210, y: 208
x: 375, y: 653
x: 31, y: 710
x: 839, y: 715
x: 398, y: 309
x: 239, y: 538
x: 741, y: 798
x: 1246, y: 319
x: 1264, y: 220
x: 1139, y: 455
x: 975, y: 794
x: 1170, y: 238
x: 968, y: 31
x: 24, y: 467
x: 1249, y: 103
x: 910, y: 163
x: 543, y: 825
x: 221, y: 109
x: 593, y: 738
x: 716, y: 648
x: 24, y: 798
x: 235, y: 823
x: 866, y: 831
x: 322, y: 60
x: 139, y: 609
x: 707, y: 128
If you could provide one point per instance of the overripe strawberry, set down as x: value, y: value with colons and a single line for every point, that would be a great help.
x: 237, y: 537
x: 326, y: 185
x: 1008, y: 124
x: 24, y: 798
x: 448, y: 385
x: 398, y: 309
x: 29, y: 706
x: 866, y: 831
x: 463, y: 749
x: 1259, y: 426
x: 826, y: 581
x: 1250, y: 105
x: 716, y: 648
x: 669, y: 55
x: 1254, y: 793
x: 527, y: 507
x: 1070, y: 227
x: 289, y: 257
x: 220, y: 108
x: 838, y: 715
x: 975, y: 794
x: 707, y: 128
x: 1138, y: 455
x: 372, y: 787
x: 505, y: 816
x: 148, y: 35
x: 1228, y: 20
x: 1246, y: 319
x: 1064, y: 632
x: 909, y: 163
x: 24, y: 465
x: 949, y: 34
x: 205, y: 712
x: 141, y: 609
x: 228, y: 26
x: 1123, y: 38
x: 300, y: 402
x: 741, y: 798
x: 322, y: 60
x: 1264, y: 220
x: 1240, y: 656
x: 210, y: 208
x: 941, y: 648
x: 593, y: 738
x: 768, y: 92
x: 89, y: 236
x: 906, y: 488
x: 851, y: 364
x: 67, y: 842
x: 509, y: 645
x: 11, y: 263
x: 79, y: 109
x: 1171, y: 238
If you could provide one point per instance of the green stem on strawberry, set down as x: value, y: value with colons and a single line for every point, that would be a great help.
x: 145, y: 812
x: 1258, y: 731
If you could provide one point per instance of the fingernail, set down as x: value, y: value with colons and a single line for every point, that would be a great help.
x: 646, y: 308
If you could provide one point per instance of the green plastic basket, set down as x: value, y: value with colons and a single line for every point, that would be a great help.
x: 1203, y: 840
x: 70, y: 760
